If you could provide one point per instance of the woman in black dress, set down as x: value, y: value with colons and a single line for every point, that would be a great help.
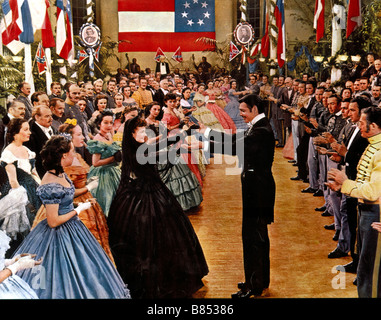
x: 155, y: 248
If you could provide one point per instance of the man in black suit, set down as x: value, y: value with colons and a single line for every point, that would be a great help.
x: 162, y: 66
x: 41, y: 131
x: 163, y: 90
x: 351, y: 149
x: 255, y: 151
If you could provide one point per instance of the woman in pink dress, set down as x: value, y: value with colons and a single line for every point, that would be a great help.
x: 225, y: 120
x: 173, y: 123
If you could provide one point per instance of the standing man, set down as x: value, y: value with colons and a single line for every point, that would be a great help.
x: 56, y: 89
x: 258, y: 190
x: 41, y: 131
x: 72, y: 110
x: 162, y: 66
x: 25, y: 90
x: 367, y: 189
x: 142, y: 96
x: 16, y: 109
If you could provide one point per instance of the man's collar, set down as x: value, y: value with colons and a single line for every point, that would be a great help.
x: 257, y: 118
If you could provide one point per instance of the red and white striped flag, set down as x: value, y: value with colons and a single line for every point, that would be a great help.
x: 64, y: 37
x: 281, y: 46
x: 46, y: 30
x: 319, y: 19
x: 354, y: 16
x: 265, y: 41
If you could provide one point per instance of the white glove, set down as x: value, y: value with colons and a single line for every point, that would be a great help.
x: 82, y: 206
x: 22, y: 263
x: 93, y: 183
x: 8, y: 262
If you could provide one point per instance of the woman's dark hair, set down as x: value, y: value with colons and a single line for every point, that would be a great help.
x: 97, y: 98
x: 128, y: 109
x: 147, y: 109
x: 103, y: 114
x: 130, y: 163
x: 14, y: 127
x: 53, y: 151
x: 185, y: 89
x: 342, y: 91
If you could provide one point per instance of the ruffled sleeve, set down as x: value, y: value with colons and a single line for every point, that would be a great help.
x: 51, y: 193
x: 105, y: 149
x: 7, y: 157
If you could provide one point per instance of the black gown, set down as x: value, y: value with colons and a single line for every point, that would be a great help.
x: 155, y: 247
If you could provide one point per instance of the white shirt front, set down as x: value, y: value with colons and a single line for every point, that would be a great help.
x: 46, y: 130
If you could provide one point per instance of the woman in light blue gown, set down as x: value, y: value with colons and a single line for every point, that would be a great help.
x: 74, y: 264
x: 232, y: 108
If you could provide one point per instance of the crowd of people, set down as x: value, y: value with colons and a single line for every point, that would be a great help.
x: 319, y: 128
x: 84, y: 208
x: 92, y: 204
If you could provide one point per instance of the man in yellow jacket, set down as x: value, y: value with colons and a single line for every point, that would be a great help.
x: 367, y: 188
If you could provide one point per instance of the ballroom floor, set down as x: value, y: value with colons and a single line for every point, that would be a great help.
x: 299, y: 243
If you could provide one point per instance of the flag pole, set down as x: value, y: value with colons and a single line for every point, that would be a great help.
x: 48, y: 72
x: 273, y: 52
x: 28, y: 66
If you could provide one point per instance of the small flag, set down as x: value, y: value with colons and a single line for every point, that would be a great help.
x: 96, y: 54
x: 178, y: 55
x: 41, y: 59
x: 159, y: 53
x: 233, y: 51
x: 82, y: 55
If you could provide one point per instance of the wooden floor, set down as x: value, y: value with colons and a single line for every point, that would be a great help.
x: 299, y: 244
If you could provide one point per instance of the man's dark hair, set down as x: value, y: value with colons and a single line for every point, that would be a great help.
x: 362, y: 102
x: 373, y: 115
x: 253, y: 100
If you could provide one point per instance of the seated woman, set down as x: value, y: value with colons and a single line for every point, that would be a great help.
x: 75, y: 265
x: 18, y: 162
x: 11, y: 285
x: 106, y: 157
x: 129, y: 112
x: 202, y: 113
x: 225, y: 120
x: 93, y: 218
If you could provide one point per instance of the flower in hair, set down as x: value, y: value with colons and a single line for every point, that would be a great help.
x: 71, y: 121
